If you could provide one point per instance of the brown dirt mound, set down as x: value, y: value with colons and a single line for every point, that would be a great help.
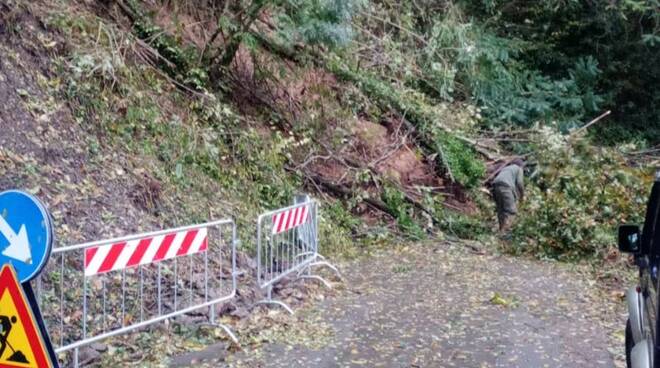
x: 392, y: 153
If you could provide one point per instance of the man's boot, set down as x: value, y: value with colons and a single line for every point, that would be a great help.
x: 507, y: 223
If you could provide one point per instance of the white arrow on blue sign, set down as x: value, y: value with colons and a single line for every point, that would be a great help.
x: 26, y: 234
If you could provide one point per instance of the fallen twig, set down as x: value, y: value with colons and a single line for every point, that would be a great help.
x: 587, y: 125
x: 644, y: 152
x: 484, y: 150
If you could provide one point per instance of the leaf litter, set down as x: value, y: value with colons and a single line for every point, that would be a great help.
x: 451, y: 308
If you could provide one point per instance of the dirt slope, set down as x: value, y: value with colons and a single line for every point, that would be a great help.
x: 94, y: 185
x: 42, y: 147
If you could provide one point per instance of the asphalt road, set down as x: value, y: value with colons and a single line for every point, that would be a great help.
x: 445, y: 306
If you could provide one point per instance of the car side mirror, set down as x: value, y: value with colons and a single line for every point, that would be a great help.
x: 629, y: 239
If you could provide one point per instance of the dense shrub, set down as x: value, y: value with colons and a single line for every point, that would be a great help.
x: 404, y: 213
x: 314, y: 22
x: 467, y: 170
x: 623, y: 37
x: 578, y: 197
x: 527, y: 61
x: 465, y: 60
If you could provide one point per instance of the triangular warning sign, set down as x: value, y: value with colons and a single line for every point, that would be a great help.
x: 21, y: 343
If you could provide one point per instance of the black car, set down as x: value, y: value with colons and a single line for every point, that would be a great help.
x: 642, y: 349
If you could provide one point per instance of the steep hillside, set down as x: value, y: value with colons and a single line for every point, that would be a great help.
x: 93, y: 185
x: 116, y: 144
x: 110, y: 143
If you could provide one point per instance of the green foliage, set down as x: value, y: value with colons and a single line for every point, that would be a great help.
x: 580, y: 196
x: 463, y: 60
x: 166, y: 45
x: 314, y: 22
x: 310, y: 22
x: 549, y: 61
x: 180, y: 63
x: 466, y: 168
x: 620, y: 37
x: 336, y: 224
x: 464, y: 226
x: 404, y: 212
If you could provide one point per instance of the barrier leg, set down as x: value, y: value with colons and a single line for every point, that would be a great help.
x: 227, y: 330
x: 326, y: 264
x: 320, y: 263
x: 269, y: 300
x: 319, y: 278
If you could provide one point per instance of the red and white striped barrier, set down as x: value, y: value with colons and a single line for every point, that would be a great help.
x: 290, y: 219
x: 117, y: 256
x: 284, y: 253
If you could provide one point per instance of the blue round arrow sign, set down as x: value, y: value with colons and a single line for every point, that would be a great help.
x: 26, y: 235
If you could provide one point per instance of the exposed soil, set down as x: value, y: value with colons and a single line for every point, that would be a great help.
x: 392, y: 154
x: 442, y: 306
x: 93, y: 186
x: 386, y: 149
x: 43, y: 149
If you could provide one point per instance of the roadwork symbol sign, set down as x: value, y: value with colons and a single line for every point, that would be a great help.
x: 21, y: 342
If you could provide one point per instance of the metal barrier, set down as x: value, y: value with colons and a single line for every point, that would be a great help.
x: 96, y: 290
x: 287, y: 244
